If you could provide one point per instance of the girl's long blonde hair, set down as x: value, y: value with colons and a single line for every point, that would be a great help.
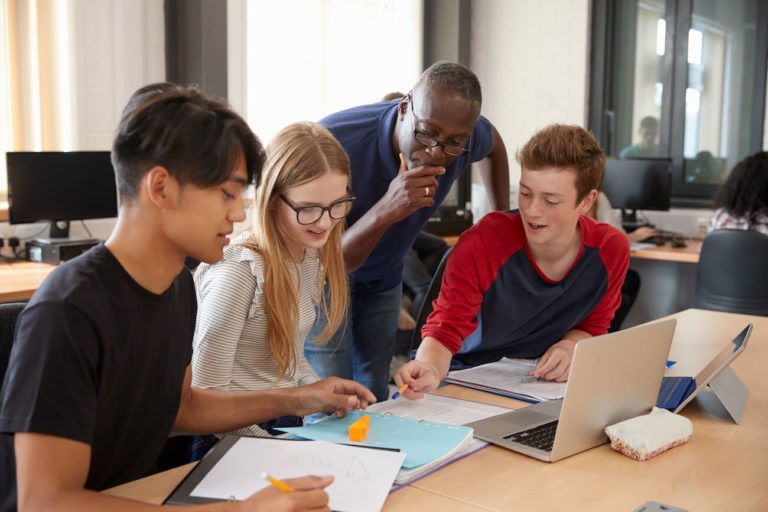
x: 298, y: 154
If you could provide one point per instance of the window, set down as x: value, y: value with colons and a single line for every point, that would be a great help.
x: 306, y: 59
x: 698, y: 68
x: 35, y: 79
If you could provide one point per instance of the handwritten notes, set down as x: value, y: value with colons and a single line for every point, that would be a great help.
x: 363, y: 476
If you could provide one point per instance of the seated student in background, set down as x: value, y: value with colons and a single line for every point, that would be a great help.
x: 528, y: 283
x: 742, y: 201
x: 257, y: 305
x: 603, y: 211
x: 100, y: 372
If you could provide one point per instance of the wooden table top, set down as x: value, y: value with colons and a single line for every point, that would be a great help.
x: 723, y: 466
x: 19, y: 280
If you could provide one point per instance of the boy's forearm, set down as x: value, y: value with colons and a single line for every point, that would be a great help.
x: 432, y: 352
x: 207, y: 411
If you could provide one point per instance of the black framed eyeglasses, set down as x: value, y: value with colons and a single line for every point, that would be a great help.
x: 429, y: 141
x: 306, y: 215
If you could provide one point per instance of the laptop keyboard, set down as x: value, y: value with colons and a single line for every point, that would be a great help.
x: 541, y: 437
x: 673, y: 391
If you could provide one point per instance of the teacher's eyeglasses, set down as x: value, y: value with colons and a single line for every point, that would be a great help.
x: 431, y: 142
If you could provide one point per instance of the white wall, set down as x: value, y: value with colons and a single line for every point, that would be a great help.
x: 532, y: 59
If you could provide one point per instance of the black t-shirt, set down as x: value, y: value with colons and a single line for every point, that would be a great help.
x: 101, y: 360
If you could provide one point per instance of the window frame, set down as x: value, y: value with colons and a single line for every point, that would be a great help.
x: 678, y: 15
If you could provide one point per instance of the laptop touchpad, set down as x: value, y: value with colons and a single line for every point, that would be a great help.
x: 525, y: 418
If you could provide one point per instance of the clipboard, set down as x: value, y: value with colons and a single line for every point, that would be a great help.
x: 204, y: 476
x: 182, y: 494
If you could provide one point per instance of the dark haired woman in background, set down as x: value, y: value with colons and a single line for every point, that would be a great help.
x: 742, y: 202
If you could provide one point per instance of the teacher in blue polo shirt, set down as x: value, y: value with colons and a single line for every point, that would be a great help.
x: 405, y: 154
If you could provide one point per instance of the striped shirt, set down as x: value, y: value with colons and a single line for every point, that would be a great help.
x: 231, y: 351
x: 724, y: 220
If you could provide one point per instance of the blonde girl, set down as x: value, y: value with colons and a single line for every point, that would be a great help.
x: 257, y: 304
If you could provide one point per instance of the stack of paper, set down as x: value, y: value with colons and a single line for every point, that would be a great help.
x: 508, y: 377
x: 444, y: 410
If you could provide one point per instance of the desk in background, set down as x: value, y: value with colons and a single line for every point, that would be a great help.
x: 687, y: 254
x: 667, y: 281
x: 19, y: 280
x: 721, y: 468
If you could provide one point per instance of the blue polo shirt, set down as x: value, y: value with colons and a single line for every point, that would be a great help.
x: 365, y: 132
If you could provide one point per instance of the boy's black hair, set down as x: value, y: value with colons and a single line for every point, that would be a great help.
x: 197, y: 138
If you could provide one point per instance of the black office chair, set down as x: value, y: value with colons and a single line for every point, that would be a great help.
x: 426, y: 306
x: 731, y: 274
x: 9, y: 312
x: 629, y: 290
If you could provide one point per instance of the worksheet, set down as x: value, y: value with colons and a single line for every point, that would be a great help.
x: 363, y: 476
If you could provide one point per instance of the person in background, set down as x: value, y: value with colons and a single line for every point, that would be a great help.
x: 100, y: 371
x: 647, y: 147
x: 258, y: 303
x: 742, y: 201
x: 705, y: 168
x: 404, y: 155
x: 528, y: 283
x: 603, y: 211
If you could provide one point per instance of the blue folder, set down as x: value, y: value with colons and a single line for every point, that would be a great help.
x: 422, y: 441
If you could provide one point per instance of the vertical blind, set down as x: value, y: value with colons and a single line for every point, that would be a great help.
x: 36, y: 82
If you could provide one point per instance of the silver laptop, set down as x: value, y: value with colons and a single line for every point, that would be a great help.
x: 612, y: 378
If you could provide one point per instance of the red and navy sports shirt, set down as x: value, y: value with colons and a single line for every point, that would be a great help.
x: 496, y: 301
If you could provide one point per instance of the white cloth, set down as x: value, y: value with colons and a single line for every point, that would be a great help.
x: 646, y: 436
x: 231, y: 351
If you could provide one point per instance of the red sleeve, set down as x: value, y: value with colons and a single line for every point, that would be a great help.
x: 614, y: 252
x: 472, y: 266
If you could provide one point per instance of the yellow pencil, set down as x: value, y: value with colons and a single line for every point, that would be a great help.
x: 277, y: 483
x: 397, y: 393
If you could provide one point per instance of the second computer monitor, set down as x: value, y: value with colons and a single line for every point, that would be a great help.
x: 638, y: 184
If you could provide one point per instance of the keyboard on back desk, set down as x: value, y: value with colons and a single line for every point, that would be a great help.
x: 541, y: 437
x: 661, y: 237
x: 655, y: 240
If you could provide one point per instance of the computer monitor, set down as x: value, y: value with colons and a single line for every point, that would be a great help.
x: 638, y: 184
x: 59, y: 187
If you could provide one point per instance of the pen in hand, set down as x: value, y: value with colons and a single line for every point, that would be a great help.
x: 397, y: 393
x: 277, y: 483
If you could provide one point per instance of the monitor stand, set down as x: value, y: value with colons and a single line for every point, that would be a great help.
x: 59, y: 235
x: 59, y: 229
